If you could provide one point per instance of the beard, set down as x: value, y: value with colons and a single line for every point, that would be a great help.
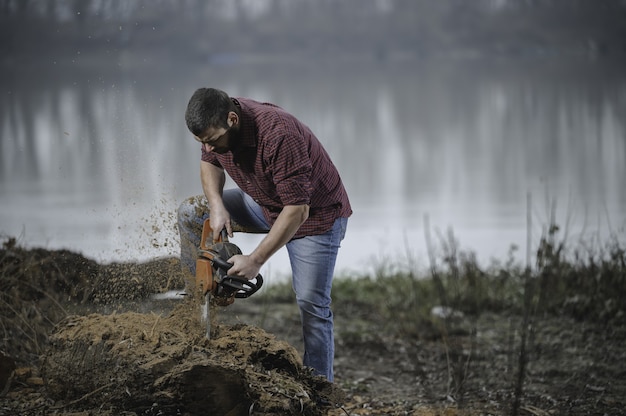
x: 230, y: 141
x: 221, y: 149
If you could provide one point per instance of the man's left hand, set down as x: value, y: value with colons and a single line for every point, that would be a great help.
x: 243, y: 266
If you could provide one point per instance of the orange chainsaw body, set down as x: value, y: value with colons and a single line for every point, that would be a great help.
x: 207, y: 276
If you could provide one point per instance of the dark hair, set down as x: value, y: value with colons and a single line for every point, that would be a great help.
x: 208, y: 107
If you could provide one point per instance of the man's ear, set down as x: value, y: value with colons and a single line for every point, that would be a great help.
x: 233, y: 118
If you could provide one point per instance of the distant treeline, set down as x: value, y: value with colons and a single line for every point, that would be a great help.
x: 202, y: 29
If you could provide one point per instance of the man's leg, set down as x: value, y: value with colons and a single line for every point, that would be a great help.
x: 193, y: 211
x: 191, y: 215
x: 313, y: 264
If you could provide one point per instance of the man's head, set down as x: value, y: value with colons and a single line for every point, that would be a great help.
x: 213, y: 119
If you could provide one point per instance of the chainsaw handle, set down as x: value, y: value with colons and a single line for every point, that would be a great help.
x: 243, y: 287
x: 221, y: 263
x: 206, y: 240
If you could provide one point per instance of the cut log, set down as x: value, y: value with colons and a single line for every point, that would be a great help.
x: 140, y: 363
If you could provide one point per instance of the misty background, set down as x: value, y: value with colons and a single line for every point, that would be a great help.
x: 441, y: 115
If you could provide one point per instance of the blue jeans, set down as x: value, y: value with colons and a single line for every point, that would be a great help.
x: 312, y: 261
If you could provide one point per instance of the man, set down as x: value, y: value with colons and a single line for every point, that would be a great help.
x: 288, y: 188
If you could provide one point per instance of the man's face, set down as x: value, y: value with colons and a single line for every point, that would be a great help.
x: 220, y: 140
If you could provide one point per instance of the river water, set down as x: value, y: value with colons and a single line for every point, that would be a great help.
x: 96, y: 159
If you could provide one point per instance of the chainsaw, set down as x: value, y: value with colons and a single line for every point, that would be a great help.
x: 212, y: 280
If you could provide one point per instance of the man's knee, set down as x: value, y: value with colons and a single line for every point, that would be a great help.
x: 311, y: 310
x: 191, y: 212
x: 184, y: 211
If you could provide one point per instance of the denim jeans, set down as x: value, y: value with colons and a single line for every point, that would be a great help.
x: 312, y: 260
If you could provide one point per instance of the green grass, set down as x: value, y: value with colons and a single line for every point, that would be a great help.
x: 586, y: 280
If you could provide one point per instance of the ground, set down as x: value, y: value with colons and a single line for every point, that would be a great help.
x: 465, y: 365
x: 574, y: 368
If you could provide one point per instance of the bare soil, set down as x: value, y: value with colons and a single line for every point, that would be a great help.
x: 80, y: 338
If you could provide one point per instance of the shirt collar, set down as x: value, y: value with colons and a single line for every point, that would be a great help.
x: 248, y: 128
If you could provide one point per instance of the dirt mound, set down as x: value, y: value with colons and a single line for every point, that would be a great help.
x: 40, y: 287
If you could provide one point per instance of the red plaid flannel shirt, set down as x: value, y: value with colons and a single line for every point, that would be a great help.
x: 279, y: 161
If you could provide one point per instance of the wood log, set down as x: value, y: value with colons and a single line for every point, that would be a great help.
x: 150, y: 363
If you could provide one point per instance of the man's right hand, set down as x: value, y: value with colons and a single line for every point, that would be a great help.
x: 220, y: 219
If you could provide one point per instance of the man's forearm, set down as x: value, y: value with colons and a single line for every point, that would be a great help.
x: 213, y: 180
x: 284, y: 228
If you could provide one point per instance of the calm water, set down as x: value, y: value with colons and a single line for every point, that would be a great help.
x: 98, y: 160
